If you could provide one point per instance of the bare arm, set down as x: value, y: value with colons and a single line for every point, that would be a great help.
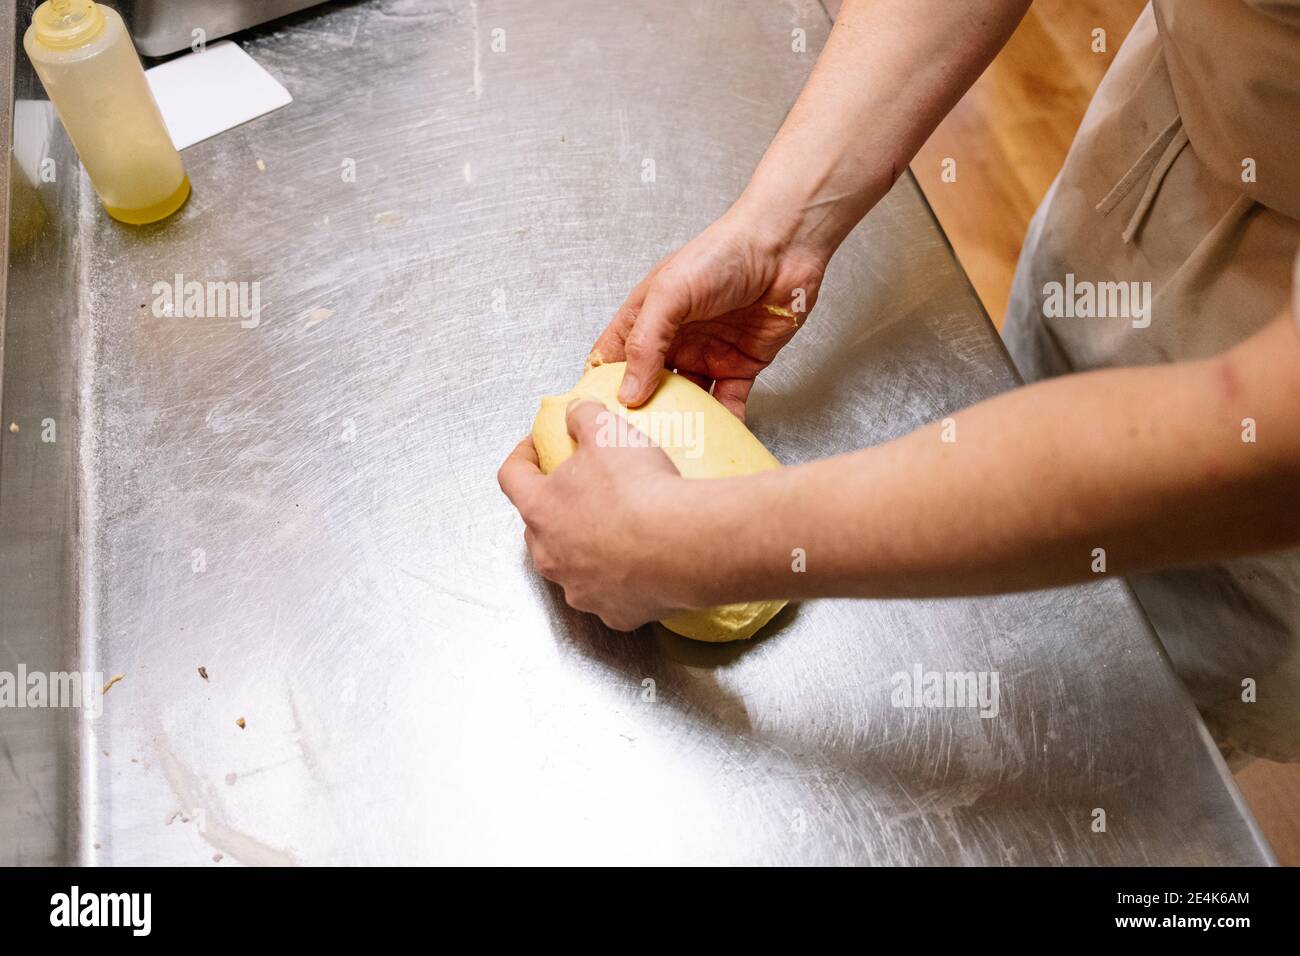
x: 888, y: 74
x: 890, y: 71
x: 1147, y: 463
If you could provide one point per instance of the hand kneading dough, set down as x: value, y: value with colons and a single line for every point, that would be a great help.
x: 710, y: 443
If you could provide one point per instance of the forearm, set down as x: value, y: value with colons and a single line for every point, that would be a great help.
x: 1148, y: 464
x: 890, y: 71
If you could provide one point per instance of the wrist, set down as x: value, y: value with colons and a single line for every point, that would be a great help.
x: 697, y: 541
x: 777, y: 220
x: 674, y: 521
x: 808, y: 215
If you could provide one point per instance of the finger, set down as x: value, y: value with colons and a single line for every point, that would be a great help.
x: 577, y: 600
x: 732, y: 393
x: 609, y: 347
x: 541, y: 563
x: 647, y: 344
x: 583, y: 420
x: 520, y: 473
x: 586, y: 422
x: 620, y: 622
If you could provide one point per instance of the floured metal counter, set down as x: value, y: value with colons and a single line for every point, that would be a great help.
x: 299, y: 497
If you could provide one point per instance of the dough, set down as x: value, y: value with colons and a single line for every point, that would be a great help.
x: 702, y: 438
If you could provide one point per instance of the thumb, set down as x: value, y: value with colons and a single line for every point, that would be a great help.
x: 583, y: 419
x: 647, y: 344
x: 595, y: 426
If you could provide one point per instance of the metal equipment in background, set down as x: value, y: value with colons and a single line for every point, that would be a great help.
x: 160, y: 27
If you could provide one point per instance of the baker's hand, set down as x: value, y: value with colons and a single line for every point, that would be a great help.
x: 717, y: 310
x: 592, y: 525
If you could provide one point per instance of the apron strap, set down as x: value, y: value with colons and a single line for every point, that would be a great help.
x: 1153, y: 184
x: 1140, y: 168
x: 1154, y: 163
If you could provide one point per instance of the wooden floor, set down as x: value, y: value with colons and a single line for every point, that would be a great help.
x: 1009, y: 136
x: 1010, y: 133
x: 1273, y: 792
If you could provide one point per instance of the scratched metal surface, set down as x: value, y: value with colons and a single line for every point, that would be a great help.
x: 308, y: 508
x: 39, y: 748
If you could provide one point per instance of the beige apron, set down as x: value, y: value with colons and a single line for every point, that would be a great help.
x: 1185, y: 173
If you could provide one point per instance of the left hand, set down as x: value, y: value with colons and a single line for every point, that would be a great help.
x: 717, y: 310
x: 595, y: 525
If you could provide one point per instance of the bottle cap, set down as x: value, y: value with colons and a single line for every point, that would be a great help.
x: 63, y: 24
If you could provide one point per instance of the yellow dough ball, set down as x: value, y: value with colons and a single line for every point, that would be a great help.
x: 702, y: 438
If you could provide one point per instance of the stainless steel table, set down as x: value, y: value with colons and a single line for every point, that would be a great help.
x: 307, y: 508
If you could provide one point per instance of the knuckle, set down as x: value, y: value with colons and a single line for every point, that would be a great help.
x: 626, y: 314
x: 539, y: 521
x: 638, y: 348
x: 578, y: 598
x: 676, y: 288
x: 546, y: 564
x: 618, y: 622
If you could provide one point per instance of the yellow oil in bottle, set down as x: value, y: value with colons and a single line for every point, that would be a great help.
x: 84, y: 57
x: 141, y: 215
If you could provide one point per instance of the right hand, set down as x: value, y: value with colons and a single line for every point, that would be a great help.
x: 717, y: 310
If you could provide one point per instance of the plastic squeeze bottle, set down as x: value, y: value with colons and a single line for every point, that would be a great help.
x: 85, y: 59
